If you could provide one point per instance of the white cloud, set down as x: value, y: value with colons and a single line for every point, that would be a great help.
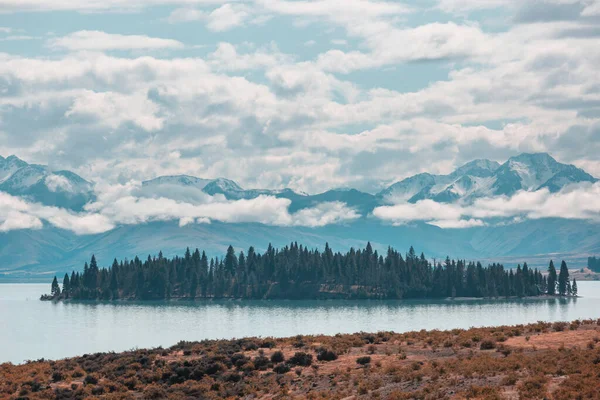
x: 220, y: 19
x: 118, y: 205
x: 14, y: 220
x: 58, y: 182
x: 457, y: 224
x: 186, y: 14
x: 573, y: 202
x: 325, y: 214
x: 113, y: 109
x: 102, y: 41
x: 592, y: 9
x: 92, y: 5
x: 268, y: 119
x: 226, y: 57
x: 15, y: 213
x: 226, y: 17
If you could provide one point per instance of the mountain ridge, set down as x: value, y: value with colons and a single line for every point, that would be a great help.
x: 475, y: 179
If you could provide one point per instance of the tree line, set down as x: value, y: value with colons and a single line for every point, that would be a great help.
x: 594, y: 264
x: 295, y: 272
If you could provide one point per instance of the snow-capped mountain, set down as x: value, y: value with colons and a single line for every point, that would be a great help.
x: 54, y: 249
x: 532, y: 172
x: 184, y: 185
x: 10, y: 165
x: 485, y: 178
x: 39, y: 183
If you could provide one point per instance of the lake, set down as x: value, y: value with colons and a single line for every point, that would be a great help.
x: 31, y: 329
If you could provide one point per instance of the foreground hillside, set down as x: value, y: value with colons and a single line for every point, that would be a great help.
x: 542, y: 360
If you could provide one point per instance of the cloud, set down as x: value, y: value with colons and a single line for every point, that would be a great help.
x: 573, y: 202
x: 186, y: 14
x: 102, y: 41
x: 88, y: 6
x: 325, y: 214
x: 113, y: 109
x: 407, y: 95
x: 226, y: 57
x: 457, y: 224
x: 226, y: 17
x: 15, y: 213
x: 58, y: 182
x: 126, y: 205
x: 14, y: 220
x: 220, y: 19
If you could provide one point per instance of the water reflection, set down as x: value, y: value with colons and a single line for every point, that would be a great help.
x: 34, y: 329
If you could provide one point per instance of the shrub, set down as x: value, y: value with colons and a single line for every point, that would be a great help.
x: 277, y: 357
x: 281, y: 368
x: 267, y: 344
x: 251, y: 346
x: 97, y: 390
x: 363, y: 360
x: 90, y: 380
x: 57, y: 376
x: 154, y: 392
x: 487, y: 345
x: 559, y: 326
x: 326, y: 355
x: 302, y: 359
x: 260, y: 361
x: 533, y: 388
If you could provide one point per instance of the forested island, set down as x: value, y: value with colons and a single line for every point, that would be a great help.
x: 295, y: 272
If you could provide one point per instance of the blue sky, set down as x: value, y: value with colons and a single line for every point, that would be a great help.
x: 303, y: 94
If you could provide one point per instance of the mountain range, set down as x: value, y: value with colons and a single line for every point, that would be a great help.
x: 26, y: 253
x: 476, y: 179
x: 40, y: 184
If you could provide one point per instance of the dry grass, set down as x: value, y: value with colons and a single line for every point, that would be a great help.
x: 542, y: 360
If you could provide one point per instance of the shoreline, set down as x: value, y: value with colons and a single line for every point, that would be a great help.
x: 239, y: 299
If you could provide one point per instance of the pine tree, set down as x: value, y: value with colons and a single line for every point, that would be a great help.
x: 563, y: 279
x: 551, y: 279
x: 574, y: 288
x: 66, y: 289
x: 55, y: 289
x: 230, y: 261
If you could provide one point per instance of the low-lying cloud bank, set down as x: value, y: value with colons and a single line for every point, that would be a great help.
x: 129, y: 205
x: 574, y: 202
x: 122, y: 205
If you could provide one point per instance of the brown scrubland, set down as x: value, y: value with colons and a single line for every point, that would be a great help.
x: 538, y: 361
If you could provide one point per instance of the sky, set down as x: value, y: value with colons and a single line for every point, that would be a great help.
x: 310, y: 95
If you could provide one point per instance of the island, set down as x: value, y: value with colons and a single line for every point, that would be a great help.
x: 295, y: 272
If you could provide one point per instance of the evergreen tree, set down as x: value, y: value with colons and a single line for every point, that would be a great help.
x: 574, y: 288
x: 563, y: 279
x: 55, y: 289
x: 230, y: 261
x: 66, y: 289
x: 551, y: 279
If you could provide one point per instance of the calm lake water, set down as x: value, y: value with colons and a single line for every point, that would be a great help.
x: 31, y: 329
